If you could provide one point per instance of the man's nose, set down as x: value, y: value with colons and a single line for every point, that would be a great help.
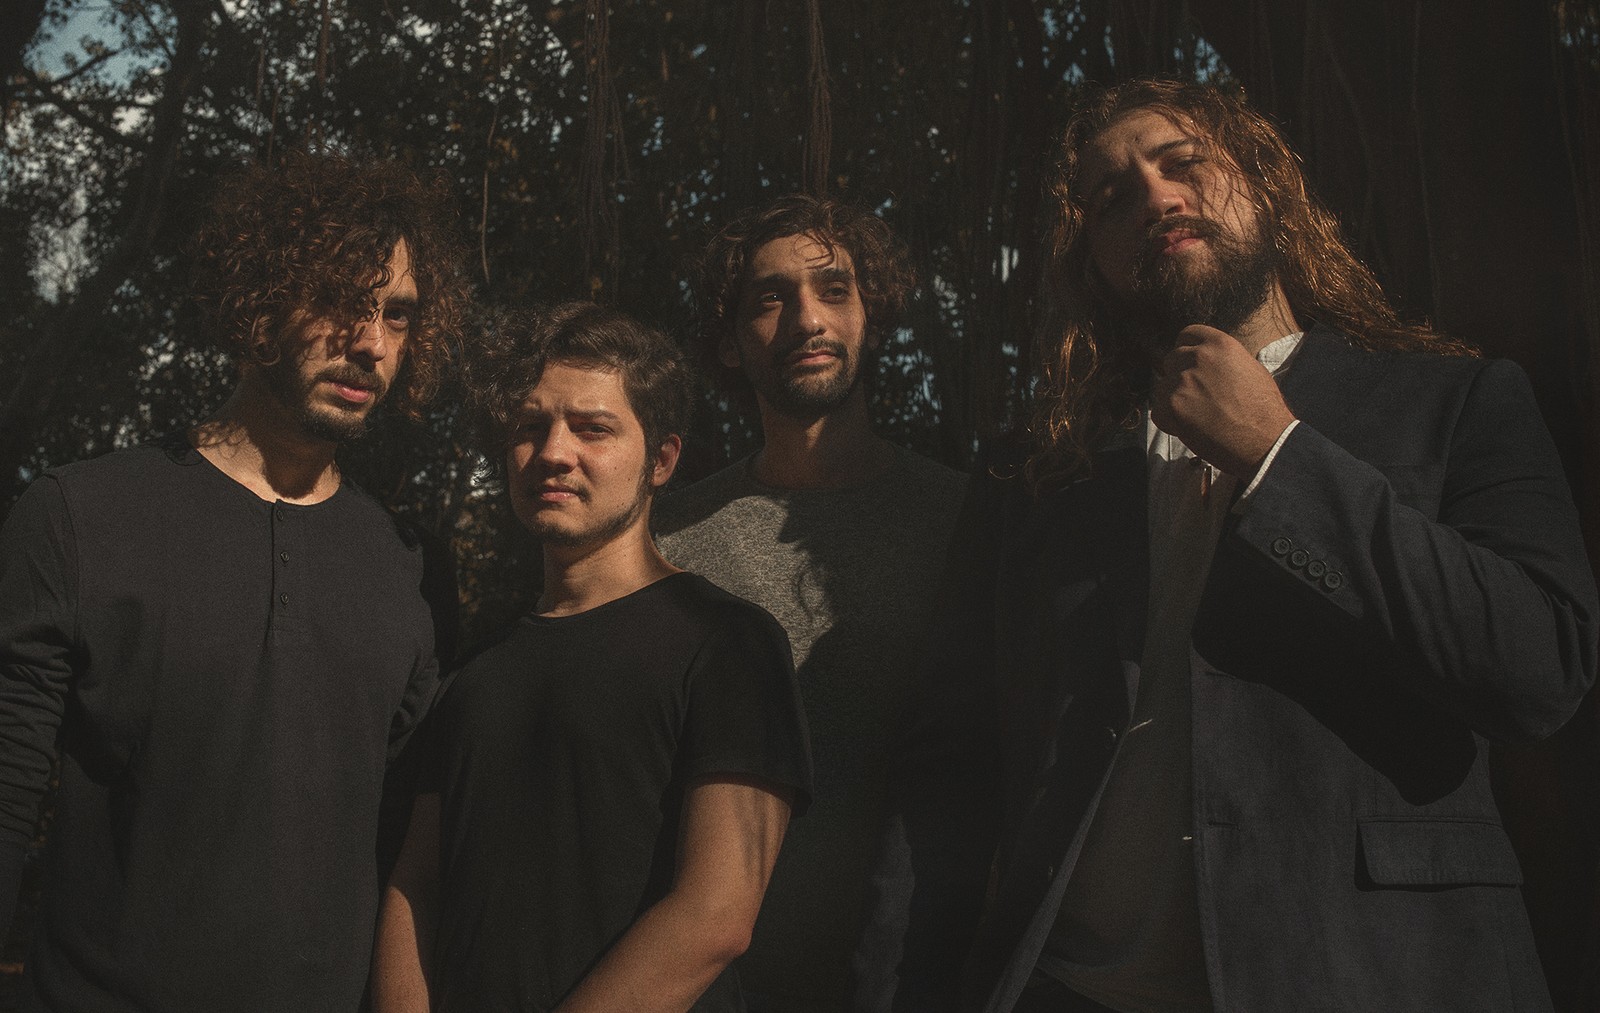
x: 556, y: 452
x: 808, y: 316
x: 369, y: 340
x: 1163, y: 197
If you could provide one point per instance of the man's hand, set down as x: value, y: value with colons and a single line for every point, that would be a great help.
x: 1212, y: 394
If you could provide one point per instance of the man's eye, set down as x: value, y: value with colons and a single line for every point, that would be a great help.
x: 1108, y: 200
x: 398, y: 317
x: 840, y: 291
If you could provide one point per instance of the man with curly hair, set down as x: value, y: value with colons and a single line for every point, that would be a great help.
x: 607, y: 788
x: 837, y: 532
x: 225, y: 643
x: 1228, y: 643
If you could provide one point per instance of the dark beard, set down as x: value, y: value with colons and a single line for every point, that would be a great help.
x: 798, y: 399
x: 333, y: 424
x: 1222, y: 293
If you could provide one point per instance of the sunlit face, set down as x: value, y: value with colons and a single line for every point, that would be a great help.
x: 800, y: 327
x: 1170, y: 226
x: 329, y: 379
x: 577, y: 466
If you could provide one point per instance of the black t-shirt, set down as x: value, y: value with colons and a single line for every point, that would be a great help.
x: 562, y: 755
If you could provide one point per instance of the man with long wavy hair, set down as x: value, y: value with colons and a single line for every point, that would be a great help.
x: 225, y: 642
x: 1235, y: 627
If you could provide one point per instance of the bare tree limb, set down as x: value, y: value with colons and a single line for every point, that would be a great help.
x: 78, y: 114
x: 34, y: 387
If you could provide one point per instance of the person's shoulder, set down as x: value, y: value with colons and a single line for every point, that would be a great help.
x: 924, y: 474
x: 691, y: 504
x: 1324, y: 345
x: 711, y: 607
x: 381, y: 522
x: 128, y: 463
x: 127, y: 475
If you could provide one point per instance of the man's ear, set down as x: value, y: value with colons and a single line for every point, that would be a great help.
x: 666, y: 460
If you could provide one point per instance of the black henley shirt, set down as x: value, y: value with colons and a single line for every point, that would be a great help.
x: 226, y: 681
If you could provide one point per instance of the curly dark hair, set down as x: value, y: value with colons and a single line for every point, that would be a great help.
x: 1092, y: 378
x: 884, y: 274
x: 506, y: 361
x: 313, y: 234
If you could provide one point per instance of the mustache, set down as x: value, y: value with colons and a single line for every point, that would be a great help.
x: 351, y: 375
x: 1155, y: 235
x: 811, y: 345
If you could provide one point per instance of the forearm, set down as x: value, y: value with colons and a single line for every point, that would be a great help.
x: 399, y: 975
x: 674, y: 951
x: 401, y: 959
x: 665, y: 961
x: 37, y: 615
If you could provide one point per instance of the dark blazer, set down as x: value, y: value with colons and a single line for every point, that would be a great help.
x: 1406, y: 581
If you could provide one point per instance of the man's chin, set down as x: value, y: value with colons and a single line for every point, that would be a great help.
x: 808, y: 399
x: 335, y: 425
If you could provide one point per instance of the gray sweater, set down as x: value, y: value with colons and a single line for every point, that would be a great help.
x: 850, y: 573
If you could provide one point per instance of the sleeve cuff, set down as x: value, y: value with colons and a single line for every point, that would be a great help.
x: 1266, y: 463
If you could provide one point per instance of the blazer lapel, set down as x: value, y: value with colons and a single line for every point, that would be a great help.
x: 1121, y: 543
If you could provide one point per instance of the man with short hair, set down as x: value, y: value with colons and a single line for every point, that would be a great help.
x: 608, y: 787
x: 1228, y: 645
x: 837, y: 532
x: 225, y: 642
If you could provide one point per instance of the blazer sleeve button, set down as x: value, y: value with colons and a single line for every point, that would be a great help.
x: 1316, y: 568
x: 1281, y: 546
x: 1298, y: 558
x: 1333, y: 580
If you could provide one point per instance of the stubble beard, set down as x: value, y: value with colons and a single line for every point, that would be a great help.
x: 1222, y: 290
x: 805, y: 396
x: 327, y: 422
x: 608, y: 528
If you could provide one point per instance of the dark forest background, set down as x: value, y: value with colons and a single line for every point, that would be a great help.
x: 593, y: 147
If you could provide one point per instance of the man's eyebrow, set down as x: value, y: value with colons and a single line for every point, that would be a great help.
x: 594, y: 413
x: 765, y: 281
x: 1164, y: 148
x: 834, y: 272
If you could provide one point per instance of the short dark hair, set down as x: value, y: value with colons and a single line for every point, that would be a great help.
x: 510, y: 357
x: 315, y: 233
x: 884, y: 274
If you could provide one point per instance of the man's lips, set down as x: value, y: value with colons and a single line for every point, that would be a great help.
x: 554, y: 493
x: 814, y: 355
x: 353, y: 387
x: 354, y: 395
x: 1176, y: 241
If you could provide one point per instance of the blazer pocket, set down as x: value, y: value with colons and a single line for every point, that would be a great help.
x: 1435, y: 852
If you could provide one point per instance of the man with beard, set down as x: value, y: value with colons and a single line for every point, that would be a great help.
x: 225, y: 641
x: 1228, y: 637
x: 837, y: 532
x: 608, y: 787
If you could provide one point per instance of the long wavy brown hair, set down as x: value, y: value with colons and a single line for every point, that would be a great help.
x: 883, y: 270
x: 1092, y: 376
x: 312, y: 234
